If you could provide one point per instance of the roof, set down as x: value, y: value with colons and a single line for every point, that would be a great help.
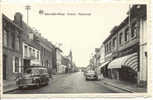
x: 135, y: 11
x: 9, y: 20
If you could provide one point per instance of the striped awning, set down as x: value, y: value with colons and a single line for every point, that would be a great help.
x: 128, y: 61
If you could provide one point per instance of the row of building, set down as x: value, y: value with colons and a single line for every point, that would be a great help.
x: 123, y: 54
x: 24, y: 47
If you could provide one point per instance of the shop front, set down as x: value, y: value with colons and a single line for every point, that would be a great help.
x: 124, y: 68
x: 102, y: 69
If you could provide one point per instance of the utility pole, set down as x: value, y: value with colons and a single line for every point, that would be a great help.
x: 27, y: 7
x: 129, y: 19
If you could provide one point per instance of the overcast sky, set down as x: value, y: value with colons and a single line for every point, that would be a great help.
x: 81, y: 34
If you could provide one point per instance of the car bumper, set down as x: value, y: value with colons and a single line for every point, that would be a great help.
x: 91, y: 77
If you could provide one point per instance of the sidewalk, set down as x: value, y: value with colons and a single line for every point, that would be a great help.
x: 9, y: 86
x: 126, y: 86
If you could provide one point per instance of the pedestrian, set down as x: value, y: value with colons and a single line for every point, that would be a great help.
x: 102, y: 76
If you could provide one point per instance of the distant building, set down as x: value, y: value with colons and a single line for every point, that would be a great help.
x: 59, y: 60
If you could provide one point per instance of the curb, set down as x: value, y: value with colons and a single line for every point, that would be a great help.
x: 124, y: 89
x: 10, y: 90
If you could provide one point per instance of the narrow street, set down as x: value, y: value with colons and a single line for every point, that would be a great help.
x: 70, y: 83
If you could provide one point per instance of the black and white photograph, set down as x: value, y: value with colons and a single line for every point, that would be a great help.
x: 69, y: 48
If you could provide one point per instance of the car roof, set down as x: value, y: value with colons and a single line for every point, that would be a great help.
x: 36, y: 67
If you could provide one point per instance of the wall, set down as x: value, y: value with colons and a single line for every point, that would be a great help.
x: 142, y: 78
x: 58, y: 60
x: 10, y: 52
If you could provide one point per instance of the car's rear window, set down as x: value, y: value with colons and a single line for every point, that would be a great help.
x: 36, y: 71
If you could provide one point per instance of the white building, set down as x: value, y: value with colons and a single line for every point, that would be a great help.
x: 31, y: 55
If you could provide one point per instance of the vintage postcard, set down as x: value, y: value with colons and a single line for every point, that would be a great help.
x: 75, y: 49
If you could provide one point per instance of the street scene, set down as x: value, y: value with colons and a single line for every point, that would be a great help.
x: 47, y: 51
x: 71, y: 83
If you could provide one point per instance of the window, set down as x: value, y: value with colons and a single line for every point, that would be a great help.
x: 126, y: 34
x: 44, y: 52
x: 105, y: 49
x: 33, y: 52
x: 26, y: 51
x: 15, y: 64
x: 13, y: 41
x: 134, y: 30
x: 114, y: 42
x: 109, y: 46
x: 30, y: 50
x: 5, y: 38
x: 17, y: 43
x: 38, y: 55
x: 120, y: 38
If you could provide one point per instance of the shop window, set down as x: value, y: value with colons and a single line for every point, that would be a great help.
x: 5, y: 38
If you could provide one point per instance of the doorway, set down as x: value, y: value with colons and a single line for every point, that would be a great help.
x: 4, y: 66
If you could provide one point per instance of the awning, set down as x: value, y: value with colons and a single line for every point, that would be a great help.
x: 128, y: 61
x: 103, y: 64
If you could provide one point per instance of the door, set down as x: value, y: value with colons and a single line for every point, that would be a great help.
x: 4, y: 66
x: 26, y: 64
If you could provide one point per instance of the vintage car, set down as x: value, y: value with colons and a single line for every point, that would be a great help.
x: 33, y: 76
x: 91, y: 75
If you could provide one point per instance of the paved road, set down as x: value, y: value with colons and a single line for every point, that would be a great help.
x: 71, y: 83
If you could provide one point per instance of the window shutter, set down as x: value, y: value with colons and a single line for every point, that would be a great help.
x: 20, y: 65
x: 13, y: 62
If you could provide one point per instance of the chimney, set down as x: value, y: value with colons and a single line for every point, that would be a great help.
x: 18, y: 19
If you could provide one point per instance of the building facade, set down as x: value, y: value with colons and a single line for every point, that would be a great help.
x: 123, y: 48
x: 23, y: 47
x: 12, y: 48
x: 59, y: 60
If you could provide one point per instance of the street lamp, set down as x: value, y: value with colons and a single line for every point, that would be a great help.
x: 27, y: 7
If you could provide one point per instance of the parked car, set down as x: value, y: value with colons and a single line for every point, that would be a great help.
x: 91, y: 75
x: 33, y: 76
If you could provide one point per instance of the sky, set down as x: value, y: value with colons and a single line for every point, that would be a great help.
x: 80, y: 33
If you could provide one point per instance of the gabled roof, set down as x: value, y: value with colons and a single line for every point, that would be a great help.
x: 10, y: 21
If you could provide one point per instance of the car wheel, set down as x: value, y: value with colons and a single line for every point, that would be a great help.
x: 38, y: 84
x: 46, y: 83
x: 86, y: 79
